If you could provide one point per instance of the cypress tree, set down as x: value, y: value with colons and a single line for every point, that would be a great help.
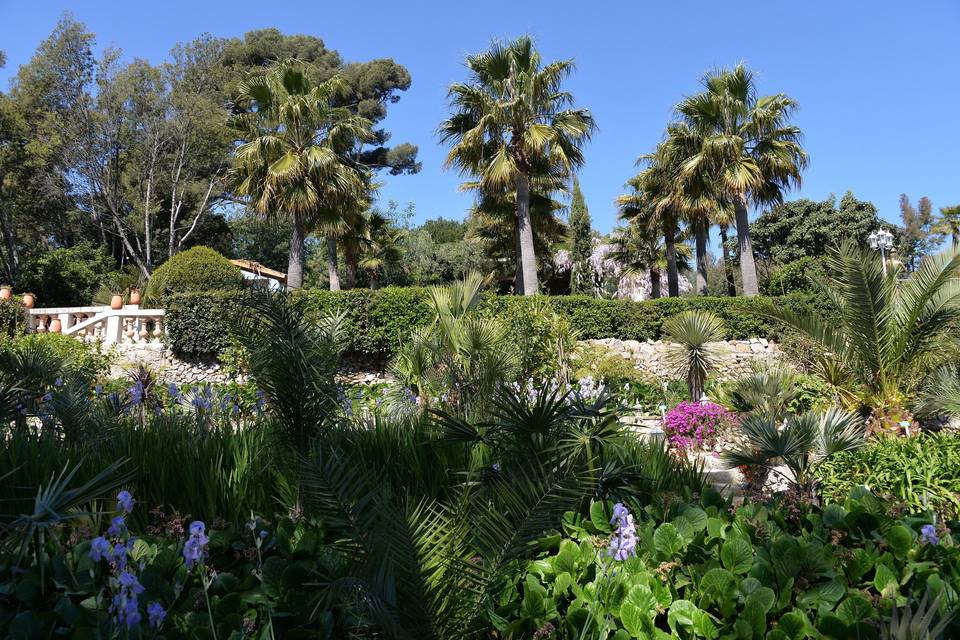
x: 581, y: 277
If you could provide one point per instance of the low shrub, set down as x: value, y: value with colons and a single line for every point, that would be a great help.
x: 697, y: 425
x: 705, y: 571
x: 799, y: 276
x: 11, y: 317
x: 920, y: 473
x: 84, y: 359
x: 194, y: 270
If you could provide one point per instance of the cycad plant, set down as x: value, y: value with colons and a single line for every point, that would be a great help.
x: 510, y: 117
x: 695, y: 350
x: 295, y: 158
x: 883, y: 336
x: 799, y: 443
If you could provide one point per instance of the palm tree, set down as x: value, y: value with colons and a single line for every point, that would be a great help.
x: 949, y: 223
x: 295, y: 158
x: 651, y: 199
x: 695, y: 351
x: 640, y: 249
x: 381, y: 246
x: 884, y: 336
x: 511, y: 116
x: 748, y: 149
x: 494, y: 221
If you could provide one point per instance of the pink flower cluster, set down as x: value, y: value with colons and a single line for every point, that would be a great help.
x: 692, y: 425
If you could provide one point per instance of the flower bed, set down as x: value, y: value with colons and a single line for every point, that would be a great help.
x: 697, y: 426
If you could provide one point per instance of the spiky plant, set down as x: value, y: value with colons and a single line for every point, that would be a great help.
x: 460, y: 356
x: 800, y: 443
x: 695, y: 349
x: 883, y: 336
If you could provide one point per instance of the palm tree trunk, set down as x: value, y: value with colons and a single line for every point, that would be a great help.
x: 654, y: 283
x: 295, y: 258
x: 748, y: 270
x: 670, y: 248
x: 373, y: 276
x: 528, y: 257
x: 727, y: 264
x: 332, y: 273
x: 518, y: 273
x: 700, y: 240
x: 350, y: 263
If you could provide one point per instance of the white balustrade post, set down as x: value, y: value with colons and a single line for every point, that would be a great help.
x: 112, y: 334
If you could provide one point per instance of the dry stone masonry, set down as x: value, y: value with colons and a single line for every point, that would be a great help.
x: 739, y: 358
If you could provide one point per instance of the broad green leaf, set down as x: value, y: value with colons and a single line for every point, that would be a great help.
x: 667, y: 541
x: 718, y: 585
x: 697, y: 518
x: 833, y: 516
x: 600, y: 517
x: 823, y: 595
x: 899, y: 540
x: 855, y: 607
x: 737, y: 555
x: 885, y: 581
x: 762, y: 599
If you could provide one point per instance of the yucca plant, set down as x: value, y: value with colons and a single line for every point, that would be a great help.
x: 884, y: 335
x: 800, y: 444
x: 696, y: 349
x: 926, y: 622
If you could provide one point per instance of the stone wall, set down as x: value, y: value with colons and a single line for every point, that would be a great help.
x: 739, y: 356
x: 160, y: 359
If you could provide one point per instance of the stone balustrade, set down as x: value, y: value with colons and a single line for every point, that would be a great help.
x: 128, y: 325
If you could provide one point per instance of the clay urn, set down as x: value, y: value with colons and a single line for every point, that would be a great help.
x: 116, y: 302
x: 6, y: 292
x: 29, y: 300
x: 55, y: 325
x: 135, y: 296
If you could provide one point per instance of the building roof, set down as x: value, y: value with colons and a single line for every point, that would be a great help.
x: 258, y: 269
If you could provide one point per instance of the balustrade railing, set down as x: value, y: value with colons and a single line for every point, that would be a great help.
x: 127, y: 325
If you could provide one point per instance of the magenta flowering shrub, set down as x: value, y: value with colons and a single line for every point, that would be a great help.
x: 696, y: 426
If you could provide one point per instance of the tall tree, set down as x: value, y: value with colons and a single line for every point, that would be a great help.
x: 581, y: 240
x: 801, y: 228
x: 918, y: 236
x: 511, y: 115
x: 749, y: 150
x: 653, y: 196
x: 949, y: 223
x: 295, y: 159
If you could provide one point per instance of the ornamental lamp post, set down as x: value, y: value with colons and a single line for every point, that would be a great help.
x: 881, y: 240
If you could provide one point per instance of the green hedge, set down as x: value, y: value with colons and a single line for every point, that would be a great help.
x: 198, y: 324
x: 378, y: 321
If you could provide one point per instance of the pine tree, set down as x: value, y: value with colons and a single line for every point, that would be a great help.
x: 581, y: 278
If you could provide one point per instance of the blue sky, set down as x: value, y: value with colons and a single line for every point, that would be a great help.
x: 878, y: 82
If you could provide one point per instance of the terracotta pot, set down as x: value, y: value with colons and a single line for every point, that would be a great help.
x: 29, y: 300
x: 116, y: 302
x: 135, y: 296
x: 6, y: 292
x: 55, y: 326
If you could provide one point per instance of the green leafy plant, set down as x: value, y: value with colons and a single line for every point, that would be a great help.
x: 196, y: 269
x: 917, y: 474
x: 801, y: 444
x: 886, y: 335
x: 694, y: 350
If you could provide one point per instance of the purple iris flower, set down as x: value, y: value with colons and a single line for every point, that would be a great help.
x: 928, y: 534
x: 125, y: 502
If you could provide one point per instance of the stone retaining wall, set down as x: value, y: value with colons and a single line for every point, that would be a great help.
x: 160, y: 359
x: 739, y: 357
